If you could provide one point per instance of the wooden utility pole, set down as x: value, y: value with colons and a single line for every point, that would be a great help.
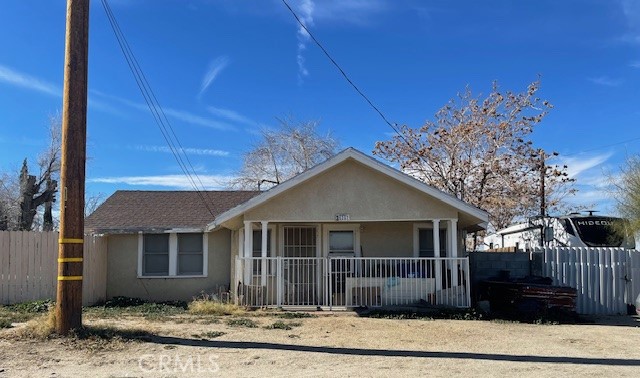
x: 72, y: 170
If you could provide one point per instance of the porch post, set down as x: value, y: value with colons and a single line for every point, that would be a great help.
x: 453, y: 234
x: 248, y: 252
x: 436, y: 254
x: 263, y: 267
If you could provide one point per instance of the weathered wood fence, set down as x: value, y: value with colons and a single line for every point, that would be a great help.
x: 607, y: 279
x: 29, y: 268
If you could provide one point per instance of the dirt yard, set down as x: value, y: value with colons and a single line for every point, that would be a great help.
x: 335, y: 345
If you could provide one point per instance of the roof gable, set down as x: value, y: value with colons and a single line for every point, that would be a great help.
x: 363, y: 159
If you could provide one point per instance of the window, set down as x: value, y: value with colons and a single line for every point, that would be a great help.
x: 190, y: 254
x: 425, y: 242
x: 299, y: 241
x: 156, y: 255
x: 257, y: 252
x: 257, y: 243
x: 341, y: 241
x: 172, y: 255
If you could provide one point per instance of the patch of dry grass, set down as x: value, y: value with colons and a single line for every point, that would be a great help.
x: 213, y: 307
x: 41, y: 327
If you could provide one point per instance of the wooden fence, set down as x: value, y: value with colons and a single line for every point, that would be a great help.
x: 607, y: 279
x: 29, y: 268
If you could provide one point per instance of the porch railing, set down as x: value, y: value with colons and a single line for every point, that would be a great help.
x: 351, y: 281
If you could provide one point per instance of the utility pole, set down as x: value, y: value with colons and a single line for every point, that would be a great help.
x: 72, y: 170
x: 543, y: 202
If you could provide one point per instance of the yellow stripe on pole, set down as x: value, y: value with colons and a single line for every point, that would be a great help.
x: 70, y: 241
x: 69, y: 278
x: 70, y: 259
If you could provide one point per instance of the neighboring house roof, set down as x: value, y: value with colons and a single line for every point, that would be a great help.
x: 350, y: 153
x: 132, y: 211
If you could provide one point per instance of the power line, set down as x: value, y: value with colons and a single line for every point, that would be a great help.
x: 344, y: 74
x: 601, y: 147
x: 157, y: 112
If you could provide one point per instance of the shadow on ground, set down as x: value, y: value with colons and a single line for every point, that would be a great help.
x: 391, y: 352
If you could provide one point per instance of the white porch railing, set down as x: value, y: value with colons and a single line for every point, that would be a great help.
x: 351, y: 281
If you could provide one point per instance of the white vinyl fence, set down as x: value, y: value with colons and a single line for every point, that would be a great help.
x: 607, y: 279
x: 351, y: 281
x: 29, y: 268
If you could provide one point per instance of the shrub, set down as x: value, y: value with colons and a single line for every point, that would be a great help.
x: 242, y: 322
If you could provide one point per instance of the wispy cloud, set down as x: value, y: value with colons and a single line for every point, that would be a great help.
x: 25, y: 81
x: 631, y: 11
x: 188, y: 150
x: 210, y: 182
x: 635, y: 64
x: 9, y: 76
x: 605, y: 81
x: 305, y: 9
x: 582, y: 163
x: 180, y: 115
x: 230, y: 115
x: 215, y: 67
x: 358, y: 12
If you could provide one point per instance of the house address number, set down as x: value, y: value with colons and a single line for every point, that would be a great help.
x: 343, y: 217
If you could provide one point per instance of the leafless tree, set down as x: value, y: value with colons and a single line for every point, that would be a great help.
x: 479, y: 151
x: 283, y: 153
x: 626, y: 191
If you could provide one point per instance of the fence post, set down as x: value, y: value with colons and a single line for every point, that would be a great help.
x: 279, y: 281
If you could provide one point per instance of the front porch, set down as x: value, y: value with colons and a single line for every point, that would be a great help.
x: 349, y: 282
x: 344, y: 264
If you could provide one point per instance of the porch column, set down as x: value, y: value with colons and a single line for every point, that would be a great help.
x: 436, y: 254
x: 248, y: 251
x: 263, y: 268
x: 453, y: 235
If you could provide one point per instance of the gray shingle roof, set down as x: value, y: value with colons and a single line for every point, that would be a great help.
x: 131, y: 211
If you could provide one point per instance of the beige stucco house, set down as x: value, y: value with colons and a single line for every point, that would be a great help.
x: 350, y: 231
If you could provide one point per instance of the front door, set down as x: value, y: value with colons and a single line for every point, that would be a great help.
x: 301, y: 266
x: 342, y: 243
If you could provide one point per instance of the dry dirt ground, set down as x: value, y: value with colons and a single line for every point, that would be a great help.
x: 336, y: 345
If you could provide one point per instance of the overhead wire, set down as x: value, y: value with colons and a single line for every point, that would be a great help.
x: 157, y: 112
x: 393, y: 126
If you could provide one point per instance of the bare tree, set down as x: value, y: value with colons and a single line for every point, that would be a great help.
x: 92, y: 202
x: 283, y: 153
x: 40, y: 190
x: 626, y: 191
x: 478, y: 150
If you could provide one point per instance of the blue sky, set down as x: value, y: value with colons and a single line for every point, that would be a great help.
x: 223, y: 69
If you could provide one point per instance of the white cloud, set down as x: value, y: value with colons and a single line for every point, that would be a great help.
x: 635, y: 64
x: 230, y: 115
x: 352, y: 11
x: 215, y: 67
x: 605, y: 81
x: 187, y: 150
x: 582, y: 164
x: 305, y: 13
x: 210, y: 182
x: 22, y: 80
x: 173, y: 113
x: 631, y: 10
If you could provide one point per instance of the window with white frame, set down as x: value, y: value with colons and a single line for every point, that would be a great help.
x: 172, y: 255
x: 190, y: 261
x: 155, y: 261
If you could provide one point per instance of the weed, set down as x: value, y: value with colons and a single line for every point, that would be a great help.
x: 210, y: 335
x: 242, y: 322
x: 282, y: 325
x: 5, y: 323
x: 295, y: 315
